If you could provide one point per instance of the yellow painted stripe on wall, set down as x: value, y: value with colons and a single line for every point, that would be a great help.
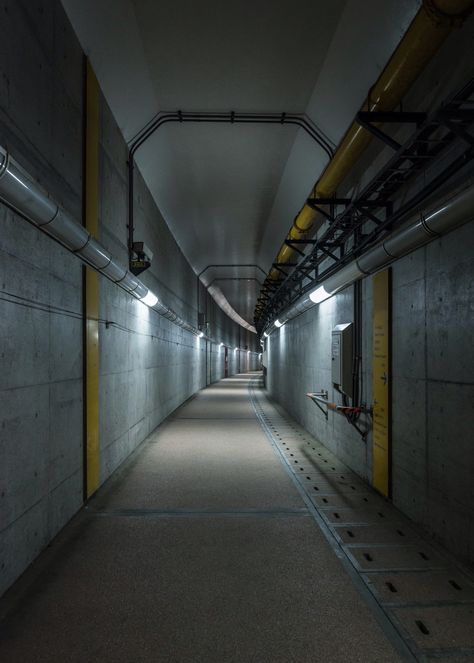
x: 91, y: 285
x: 381, y: 381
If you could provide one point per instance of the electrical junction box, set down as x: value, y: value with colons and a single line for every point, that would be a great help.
x: 342, y: 358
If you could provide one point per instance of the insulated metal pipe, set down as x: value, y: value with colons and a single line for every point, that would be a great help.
x: 221, y: 300
x: 20, y: 192
x: 452, y: 212
x: 428, y: 30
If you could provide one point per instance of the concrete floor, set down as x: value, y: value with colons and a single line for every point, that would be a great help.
x: 200, y: 549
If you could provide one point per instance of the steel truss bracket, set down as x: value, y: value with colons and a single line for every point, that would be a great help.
x: 317, y: 398
x: 345, y: 232
x: 279, y: 265
x: 328, y: 253
x: 315, y: 203
x: 294, y: 243
x: 329, y: 201
x: 321, y: 210
x: 291, y: 244
x: 457, y: 129
x: 366, y: 123
x: 365, y: 209
x: 272, y: 287
x: 367, y: 119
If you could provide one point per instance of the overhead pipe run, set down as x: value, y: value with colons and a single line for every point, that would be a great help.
x: 453, y: 212
x: 20, y: 192
x: 219, y: 297
x: 428, y: 30
x: 221, y: 300
x: 232, y: 117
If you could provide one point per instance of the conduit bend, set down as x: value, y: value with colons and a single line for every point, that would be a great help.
x: 20, y: 192
x: 430, y: 27
x: 452, y: 212
x: 221, y: 300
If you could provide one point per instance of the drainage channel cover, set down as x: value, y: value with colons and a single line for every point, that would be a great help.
x: 425, y: 596
x: 371, y: 558
x: 428, y: 587
x: 360, y: 515
x: 439, y: 627
x: 372, y: 534
x: 347, y: 500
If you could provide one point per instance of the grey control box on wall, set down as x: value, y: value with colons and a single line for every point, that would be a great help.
x: 342, y: 357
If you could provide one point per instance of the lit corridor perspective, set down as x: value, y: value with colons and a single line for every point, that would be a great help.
x: 236, y: 321
x: 229, y: 535
x: 200, y: 549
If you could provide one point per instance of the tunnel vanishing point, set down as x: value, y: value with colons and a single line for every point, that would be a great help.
x: 236, y: 318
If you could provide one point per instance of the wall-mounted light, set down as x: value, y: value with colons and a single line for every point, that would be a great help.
x: 235, y: 349
x: 201, y: 334
x: 248, y: 352
x: 221, y: 344
x: 22, y: 193
x: 150, y: 299
x: 319, y: 295
x: 266, y: 335
x: 278, y: 324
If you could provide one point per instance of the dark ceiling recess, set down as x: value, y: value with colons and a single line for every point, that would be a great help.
x: 232, y: 117
x: 355, y: 225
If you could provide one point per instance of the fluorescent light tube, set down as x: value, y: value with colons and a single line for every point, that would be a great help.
x: 319, y: 295
x: 150, y: 299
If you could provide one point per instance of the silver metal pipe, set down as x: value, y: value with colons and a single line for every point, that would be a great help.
x: 20, y: 192
x: 452, y: 212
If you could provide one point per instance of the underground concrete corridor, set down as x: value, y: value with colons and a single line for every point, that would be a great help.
x: 200, y: 550
x: 203, y: 547
x: 236, y: 314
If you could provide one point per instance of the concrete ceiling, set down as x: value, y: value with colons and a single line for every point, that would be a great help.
x: 229, y: 192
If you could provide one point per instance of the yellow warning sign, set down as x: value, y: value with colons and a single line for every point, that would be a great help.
x: 381, y: 381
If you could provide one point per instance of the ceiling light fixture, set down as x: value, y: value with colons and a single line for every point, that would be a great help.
x: 150, y: 299
x: 278, y: 324
x: 319, y: 295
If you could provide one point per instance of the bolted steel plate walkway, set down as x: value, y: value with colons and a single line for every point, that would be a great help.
x: 204, y: 547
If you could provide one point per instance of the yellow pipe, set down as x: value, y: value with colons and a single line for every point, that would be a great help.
x: 428, y: 30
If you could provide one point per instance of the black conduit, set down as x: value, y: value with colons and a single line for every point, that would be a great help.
x: 299, y: 120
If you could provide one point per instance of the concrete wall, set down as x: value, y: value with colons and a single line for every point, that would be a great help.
x: 299, y: 361
x: 433, y: 357
x: 433, y: 388
x: 41, y: 437
x: 432, y: 384
x: 148, y: 366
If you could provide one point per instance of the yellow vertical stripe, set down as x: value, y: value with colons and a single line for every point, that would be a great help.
x: 381, y: 382
x: 92, y: 285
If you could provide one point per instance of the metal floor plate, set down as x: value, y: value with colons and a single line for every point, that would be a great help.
x: 393, y: 533
x: 425, y: 595
x: 424, y: 588
x: 439, y: 628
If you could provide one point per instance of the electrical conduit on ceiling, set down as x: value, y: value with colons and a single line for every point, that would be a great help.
x: 453, y: 212
x: 424, y: 37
